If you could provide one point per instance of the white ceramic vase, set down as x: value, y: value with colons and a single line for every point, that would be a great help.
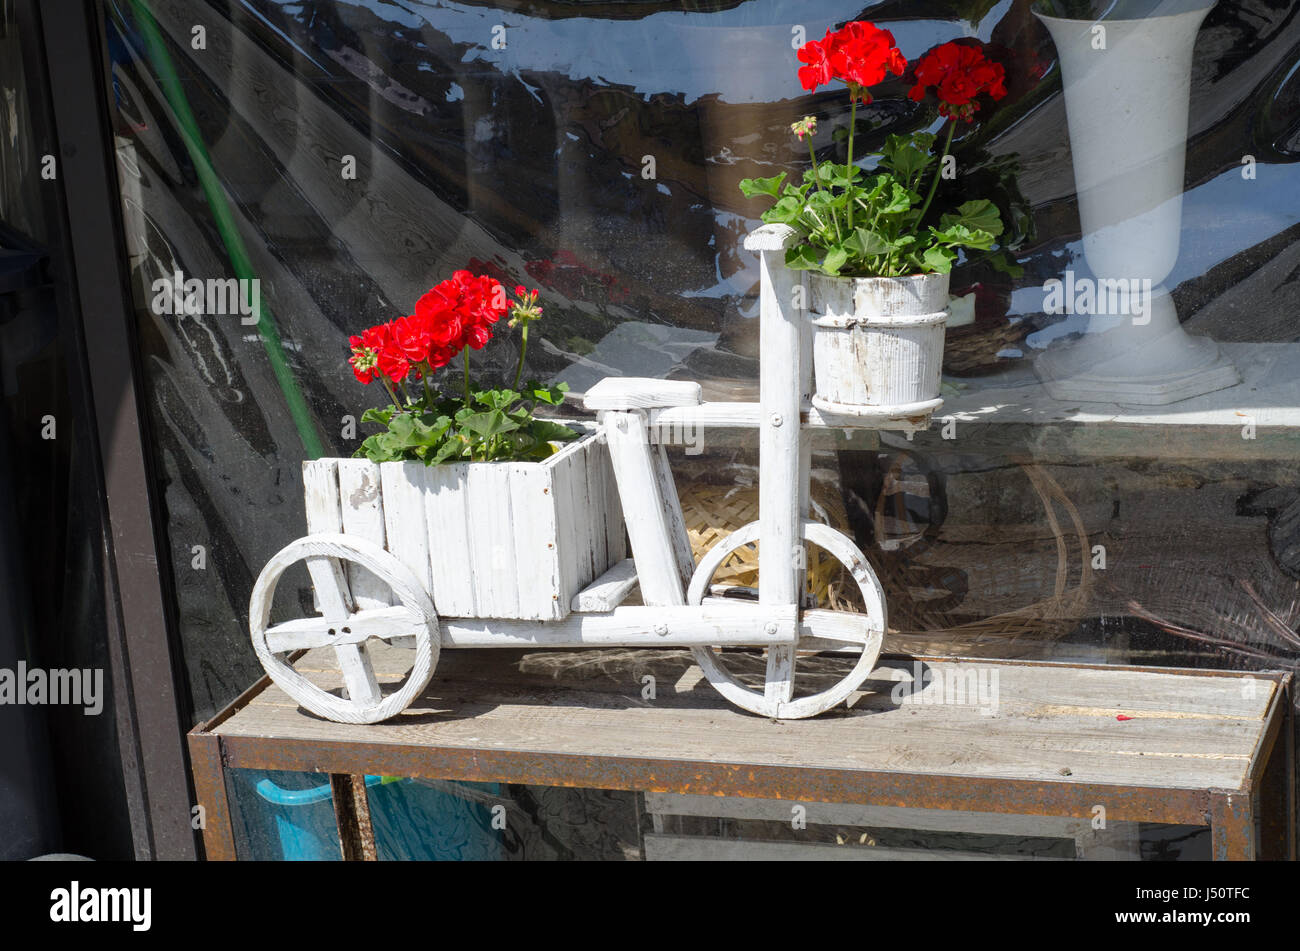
x: 1127, y: 75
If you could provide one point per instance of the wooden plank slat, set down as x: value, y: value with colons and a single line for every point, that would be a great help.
x: 631, y: 393
x: 609, y: 590
x: 596, y: 556
x: 537, y: 556
x: 672, y: 513
x: 615, y: 535
x: 449, y: 551
x: 362, y: 500
x: 405, y: 522
x: 493, y: 567
x: 780, y: 541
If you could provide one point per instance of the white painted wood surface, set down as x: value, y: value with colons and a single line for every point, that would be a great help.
x: 609, y: 590
x: 733, y: 625
x: 627, y: 393
x: 877, y: 341
x: 490, y: 525
x: 413, y: 618
x: 674, y: 521
x: 509, y: 540
x: 780, y: 543
x: 649, y: 529
x: 331, y: 581
x: 362, y: 511
x: 674, y: 424
x: 535, y: 533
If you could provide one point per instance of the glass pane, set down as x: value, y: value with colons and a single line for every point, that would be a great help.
x: 344, y: 156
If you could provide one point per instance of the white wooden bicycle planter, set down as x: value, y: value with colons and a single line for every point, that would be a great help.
x: 532, y: 555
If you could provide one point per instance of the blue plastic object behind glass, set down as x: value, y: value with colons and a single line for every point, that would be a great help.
x: 411, y: 821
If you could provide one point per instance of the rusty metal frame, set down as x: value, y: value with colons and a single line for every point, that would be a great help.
x: 1231, y: 814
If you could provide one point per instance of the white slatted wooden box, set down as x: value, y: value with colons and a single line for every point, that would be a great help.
x: 490, y: 539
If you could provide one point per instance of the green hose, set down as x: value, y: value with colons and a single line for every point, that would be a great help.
x: 225, y: 222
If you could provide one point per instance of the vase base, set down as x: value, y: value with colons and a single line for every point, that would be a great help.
x: 1092, y: 372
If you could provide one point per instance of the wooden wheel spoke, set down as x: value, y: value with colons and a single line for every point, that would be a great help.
x: 358, y: 674
x: 356, y: 628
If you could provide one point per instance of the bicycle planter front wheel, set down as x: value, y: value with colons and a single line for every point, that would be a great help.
x: 345, y: 628
x: 865, y: 630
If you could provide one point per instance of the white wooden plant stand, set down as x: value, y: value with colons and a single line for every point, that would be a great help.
x: 524, y: 555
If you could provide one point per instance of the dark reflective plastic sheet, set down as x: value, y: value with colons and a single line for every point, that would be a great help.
x: 349, y: 154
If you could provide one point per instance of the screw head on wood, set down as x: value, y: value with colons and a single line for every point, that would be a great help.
x: 661, y: 629
x: 770, y: 627
x: 776, y: 419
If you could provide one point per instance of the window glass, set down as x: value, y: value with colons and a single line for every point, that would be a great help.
x: 347, y: 155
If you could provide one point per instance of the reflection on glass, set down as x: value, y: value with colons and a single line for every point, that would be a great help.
x: 1127, y: 73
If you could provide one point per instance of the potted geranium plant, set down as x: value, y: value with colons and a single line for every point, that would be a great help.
x: 876, y: 249
x: 504, y: 513
x: 475, y: 425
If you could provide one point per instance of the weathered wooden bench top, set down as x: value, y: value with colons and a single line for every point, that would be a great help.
x: 1177, y: 746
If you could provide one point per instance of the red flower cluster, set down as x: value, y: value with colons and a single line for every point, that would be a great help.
x: 859, y: 55
x: 958, y: 72
x: 456, y: 314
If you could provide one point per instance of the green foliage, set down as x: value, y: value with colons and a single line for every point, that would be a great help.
x: 880, y: 223
x: 490, y: 426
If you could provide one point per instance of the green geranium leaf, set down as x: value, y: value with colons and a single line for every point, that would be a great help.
x: 550, y: 395
x: 834, y: 260
x: 802, y: 257
x: 979, y: 215
x: 762, y: 186
x: 547, y: 431
x: 863, y: 243
x: 498, y: 399
x: 938, y: 259
x: 489, y: 424
x: 785, y: 211
x: 908, y: 156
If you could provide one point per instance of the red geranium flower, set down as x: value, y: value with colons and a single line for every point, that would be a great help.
x: 477, y: 336
x: 365, y: 352
x: 393, y: 363
x: 958, y: 72
x: 816, y: 55
x: 859, y: 55
x: 863, y: 53
x: 439, y: 357
x: 454, y: 314
x: 412, y: 337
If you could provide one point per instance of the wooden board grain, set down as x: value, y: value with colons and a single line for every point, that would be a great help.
x: 1053, y: 724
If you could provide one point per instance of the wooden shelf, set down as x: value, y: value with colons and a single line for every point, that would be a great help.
x: 1173, y: 746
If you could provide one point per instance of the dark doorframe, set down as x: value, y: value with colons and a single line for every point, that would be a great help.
x: 90, y: 267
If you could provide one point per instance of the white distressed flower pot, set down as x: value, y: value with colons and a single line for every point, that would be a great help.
x: 877, y: 341
x: 488, y: 539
